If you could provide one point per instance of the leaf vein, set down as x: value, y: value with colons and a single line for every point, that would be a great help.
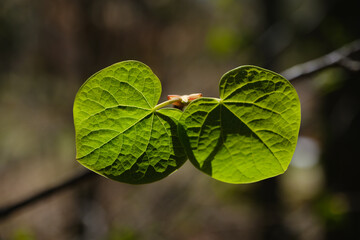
x: 202, y: 124
x: 108, y: 108
x: 223, y: 141
x: 244, y: 85
x: 263, y: 142
x: 135, y: 87
x: 115, y: 136
x: 253, y: 103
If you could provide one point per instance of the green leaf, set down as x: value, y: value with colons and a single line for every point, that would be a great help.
x: 119, y: 133
x: 247, y: 135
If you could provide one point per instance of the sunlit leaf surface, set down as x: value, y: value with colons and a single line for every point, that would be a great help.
x: 118, y: 133
x: 247, y: 135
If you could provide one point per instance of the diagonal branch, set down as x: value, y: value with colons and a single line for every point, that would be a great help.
x: 339, y: 57
x: 7, y: 210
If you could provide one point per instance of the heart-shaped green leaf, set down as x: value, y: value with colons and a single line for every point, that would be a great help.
x: 119, y: 133
x: 247, y: 135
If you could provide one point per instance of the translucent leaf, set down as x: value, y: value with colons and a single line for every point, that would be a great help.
x: 247, y: 135
x: 119, y: 134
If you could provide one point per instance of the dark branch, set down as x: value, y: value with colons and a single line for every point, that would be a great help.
x: 339, y: 57
x: 6, y: 211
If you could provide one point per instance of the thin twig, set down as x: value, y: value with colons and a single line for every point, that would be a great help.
x: 6, y: 211
x: 339, y: 57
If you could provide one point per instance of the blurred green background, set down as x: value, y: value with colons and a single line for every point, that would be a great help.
x: 49, y: 48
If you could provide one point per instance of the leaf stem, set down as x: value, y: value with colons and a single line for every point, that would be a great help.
x: 168, y: 102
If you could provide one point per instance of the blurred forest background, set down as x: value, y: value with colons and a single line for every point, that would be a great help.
x: 49, y: 48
